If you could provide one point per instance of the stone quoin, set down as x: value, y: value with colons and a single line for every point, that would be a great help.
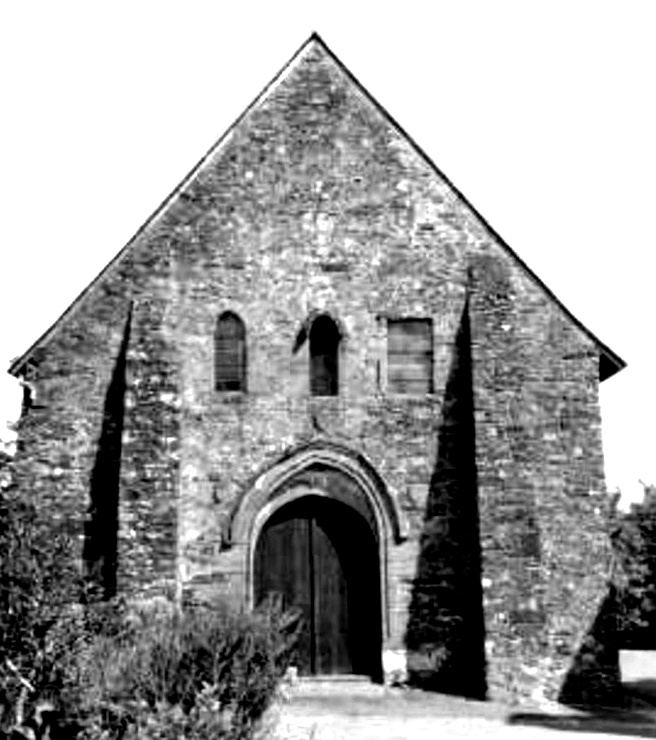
x: 316, y: 370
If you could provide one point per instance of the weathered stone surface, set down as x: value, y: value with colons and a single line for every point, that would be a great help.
x: 315, y: 202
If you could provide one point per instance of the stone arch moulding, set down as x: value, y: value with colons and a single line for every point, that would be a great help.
x: 257, y: 503
x: 334, y: 455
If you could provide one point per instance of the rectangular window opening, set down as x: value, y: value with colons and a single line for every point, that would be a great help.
x: 410, y: 356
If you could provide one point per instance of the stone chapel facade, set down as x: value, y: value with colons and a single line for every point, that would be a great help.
x: 317, y: 370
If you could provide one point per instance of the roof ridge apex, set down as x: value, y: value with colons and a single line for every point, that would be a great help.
x: 314, y: 40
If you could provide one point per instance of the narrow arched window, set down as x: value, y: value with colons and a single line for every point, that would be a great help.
x: 230, y: 353
x: 324, y: 343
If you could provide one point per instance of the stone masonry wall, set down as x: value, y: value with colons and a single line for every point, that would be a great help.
x: 62, y: 434
x: 542, y: 494
x: 313, y: 205
x: 315, y: 202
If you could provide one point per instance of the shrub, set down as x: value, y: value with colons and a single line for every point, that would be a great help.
x: 205, y: 672
x: 39, y: 584
x: 105, y: 673
x: 634, y: 543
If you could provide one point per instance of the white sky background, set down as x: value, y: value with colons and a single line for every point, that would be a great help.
x: 542, y: 113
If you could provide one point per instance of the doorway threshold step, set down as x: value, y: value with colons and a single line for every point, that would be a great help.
x: 338, y: 677
x: 337, y: 684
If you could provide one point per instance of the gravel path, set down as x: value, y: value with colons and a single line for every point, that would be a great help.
x: 325, y: 710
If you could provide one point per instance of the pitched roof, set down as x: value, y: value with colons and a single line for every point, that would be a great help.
x: 609, y: 362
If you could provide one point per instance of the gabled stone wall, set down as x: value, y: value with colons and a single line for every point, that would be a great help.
x: 314, y: 203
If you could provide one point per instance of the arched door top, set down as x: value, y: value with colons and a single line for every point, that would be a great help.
x: 320, y: 556
x: 331, y: 455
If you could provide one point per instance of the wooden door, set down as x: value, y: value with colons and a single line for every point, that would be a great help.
x: 321, y: 556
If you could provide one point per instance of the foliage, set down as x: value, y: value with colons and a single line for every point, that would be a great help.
x: 204, y: 672
x: 39, y: 586
x: 5, y: 468
x: 634, y: 543
x: 99, y: 670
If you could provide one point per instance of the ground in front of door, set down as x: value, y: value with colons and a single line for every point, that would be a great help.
x: 329, y: 709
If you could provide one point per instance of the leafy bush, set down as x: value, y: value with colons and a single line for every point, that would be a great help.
x: 39, y: 585
x: 204, y: 672
x: 100, y: 671
x: 634, y: 544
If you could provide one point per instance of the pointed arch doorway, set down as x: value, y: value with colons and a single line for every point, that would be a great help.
x: 321, y: 556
